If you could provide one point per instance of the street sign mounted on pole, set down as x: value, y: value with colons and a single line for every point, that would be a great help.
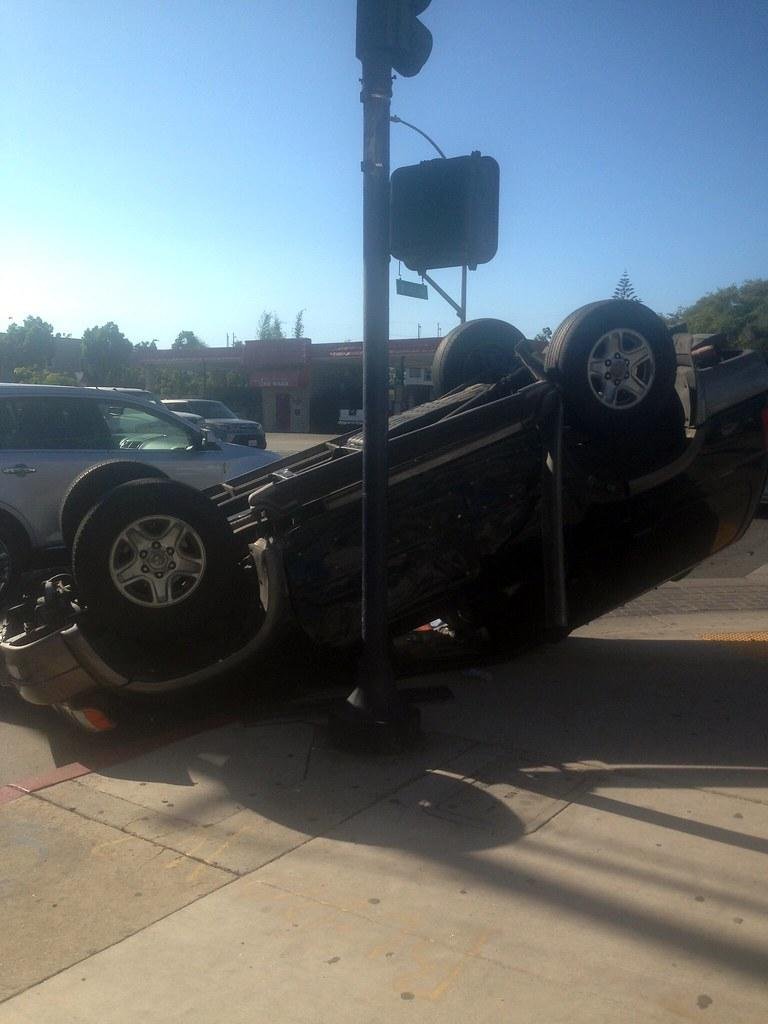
x: 413, y: 289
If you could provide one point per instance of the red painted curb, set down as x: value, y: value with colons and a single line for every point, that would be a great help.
x: 61, y: 774
x: 108, y: 757
x: 134, y: 748
x: 10, y: 793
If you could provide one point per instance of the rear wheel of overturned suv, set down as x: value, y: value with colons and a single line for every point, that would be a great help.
x: 615, y: 361
x: 154, y: 556
x: 477, y: 351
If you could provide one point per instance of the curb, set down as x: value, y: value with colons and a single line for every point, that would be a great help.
x: 107, y: 758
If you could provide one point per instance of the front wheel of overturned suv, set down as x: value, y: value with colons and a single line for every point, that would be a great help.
x: 615, y: 361
x: 155, y: 556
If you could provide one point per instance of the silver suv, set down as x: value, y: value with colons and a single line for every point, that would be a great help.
x: 227, y: 424
x: 63, y: 448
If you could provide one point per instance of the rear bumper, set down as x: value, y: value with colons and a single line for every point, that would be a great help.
x: 47, y: 670
x: 53, y: 666
x: 64, y: 664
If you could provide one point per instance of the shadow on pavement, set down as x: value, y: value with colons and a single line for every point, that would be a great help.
x: 596, y: 809
x: 631, y: 734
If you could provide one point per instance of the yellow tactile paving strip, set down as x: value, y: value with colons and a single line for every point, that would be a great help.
x: 732, y: 638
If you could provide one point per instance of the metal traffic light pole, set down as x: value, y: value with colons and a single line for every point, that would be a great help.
x: 375, y: 716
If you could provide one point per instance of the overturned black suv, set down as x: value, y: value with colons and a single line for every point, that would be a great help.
x: 537, y: 491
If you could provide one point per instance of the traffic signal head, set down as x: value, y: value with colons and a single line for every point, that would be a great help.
x: 414, y: 40
x: 392, y: 28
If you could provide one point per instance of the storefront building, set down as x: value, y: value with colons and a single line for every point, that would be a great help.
x: 303, y: 386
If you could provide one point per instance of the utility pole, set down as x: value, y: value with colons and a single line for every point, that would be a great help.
x: 375, y: 716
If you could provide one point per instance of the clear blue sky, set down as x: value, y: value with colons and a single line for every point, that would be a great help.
x: 186, y: 164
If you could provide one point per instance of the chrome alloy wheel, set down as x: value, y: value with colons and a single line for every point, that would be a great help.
x: 621, y: 369
x: 157, y: 561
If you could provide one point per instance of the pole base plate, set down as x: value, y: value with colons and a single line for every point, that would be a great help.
x: 358, y: 730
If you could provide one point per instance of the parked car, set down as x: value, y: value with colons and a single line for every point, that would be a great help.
x: 350, y: 418
x: 530, y: 496
x: 138, y: 393
x: 141, y: 394
x: 62, y: 447
x: 226, y: 424
x: 196, y: 421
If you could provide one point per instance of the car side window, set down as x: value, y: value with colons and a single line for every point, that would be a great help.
x: 50, y: 423
x: 134, y: 426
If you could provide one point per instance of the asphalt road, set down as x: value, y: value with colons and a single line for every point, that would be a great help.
x: 34, y: 740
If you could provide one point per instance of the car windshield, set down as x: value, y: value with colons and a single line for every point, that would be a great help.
x: 212, y: 410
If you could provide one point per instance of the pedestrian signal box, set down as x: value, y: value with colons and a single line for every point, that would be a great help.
x: 445, y: 213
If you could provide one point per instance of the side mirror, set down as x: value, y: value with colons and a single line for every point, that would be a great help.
x: 198, y: 440
x: 208, y: 440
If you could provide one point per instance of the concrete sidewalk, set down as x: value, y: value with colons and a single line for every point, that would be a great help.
x: 582, y: 836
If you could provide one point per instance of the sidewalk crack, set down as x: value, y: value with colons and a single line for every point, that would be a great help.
x: 124, y: 830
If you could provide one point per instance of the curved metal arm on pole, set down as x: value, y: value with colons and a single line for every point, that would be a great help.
x: 398, y: 120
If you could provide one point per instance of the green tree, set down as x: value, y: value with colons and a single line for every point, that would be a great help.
x: 30, y: 344
x: 187, y: 341
x: 672, y: 319
x: 229, y: 386
x: 738, y: 311
x: 270, y: 327
x: 146, y: 346
x: 543, y: 338
x: 298, y: 324
x: 624, y: 289
x: 36, y: 375
x: 107, y: 354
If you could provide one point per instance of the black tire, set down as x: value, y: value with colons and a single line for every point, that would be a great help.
x: 15, y: 551
x: 584, y: 338
x: 207, y: 542
x: 479, y: 350
x: 94, y: 483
